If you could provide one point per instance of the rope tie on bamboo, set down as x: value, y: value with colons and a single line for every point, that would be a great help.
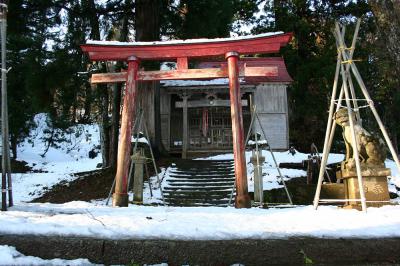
x: 358, y: 108
x: 344, y: 48
x: 3, y: 70
x: 350, y: 61
x: 120, y: 193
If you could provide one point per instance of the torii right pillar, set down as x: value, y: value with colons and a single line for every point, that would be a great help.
x: 242, y: 199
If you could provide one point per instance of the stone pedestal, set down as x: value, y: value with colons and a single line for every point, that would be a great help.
x: 258, y: 176
x: 375, y: 185
x: 139, y: 160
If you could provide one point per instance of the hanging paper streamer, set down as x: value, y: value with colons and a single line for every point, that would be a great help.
x: 204, y: 124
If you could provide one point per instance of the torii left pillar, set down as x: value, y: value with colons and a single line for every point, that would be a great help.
x: 120, y: 196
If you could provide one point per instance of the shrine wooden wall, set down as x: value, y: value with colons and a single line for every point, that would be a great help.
x: 272, y: 108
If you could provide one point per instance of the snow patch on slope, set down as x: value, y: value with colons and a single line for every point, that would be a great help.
x: 59, y: 162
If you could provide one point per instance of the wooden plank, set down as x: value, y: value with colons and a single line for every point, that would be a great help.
x: 117, y: 77
x: 151, y: 51
x: 260, y: 72
x: 205, y: 73
x: 207, y: 103
x: 182, y: 74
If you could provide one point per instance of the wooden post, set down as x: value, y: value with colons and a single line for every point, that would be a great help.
x: 185, y: 132
x: 242, y: 196
x: 6, y: 168
x: 120, y: 197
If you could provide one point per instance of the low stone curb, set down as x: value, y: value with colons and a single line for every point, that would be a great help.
x: 347, y: 251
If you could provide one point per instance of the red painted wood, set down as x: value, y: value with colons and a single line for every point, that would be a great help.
x: 120, y: 197
x: 182, y: 74
x: 283, y: 75
x: 242, y: 196
x: 182, y: 63
x: 205, y: 73
x: 108, y: 77
x: 261, y: 45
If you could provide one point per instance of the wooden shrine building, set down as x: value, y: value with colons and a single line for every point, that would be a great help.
x: 204, y: 97
x: 208, y: 115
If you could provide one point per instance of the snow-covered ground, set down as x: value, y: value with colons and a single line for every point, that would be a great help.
x: 10, y: 256
x: 59, y: 163
x: 197, y: 223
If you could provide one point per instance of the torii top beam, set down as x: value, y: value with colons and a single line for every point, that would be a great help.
x: 167, y: 50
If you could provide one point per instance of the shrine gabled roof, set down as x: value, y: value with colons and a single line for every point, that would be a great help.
x: 164, y: 50
x: 282, y: 77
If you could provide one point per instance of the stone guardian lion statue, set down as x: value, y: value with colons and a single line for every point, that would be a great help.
x: 370, y: 147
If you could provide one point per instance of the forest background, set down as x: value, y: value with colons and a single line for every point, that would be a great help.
x: 50, y: 74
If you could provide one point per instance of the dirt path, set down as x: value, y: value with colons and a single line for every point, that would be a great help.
x: 88, y: 186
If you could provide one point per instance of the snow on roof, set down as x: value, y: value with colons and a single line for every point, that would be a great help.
x: 184, y: 83
x: 203, y: 40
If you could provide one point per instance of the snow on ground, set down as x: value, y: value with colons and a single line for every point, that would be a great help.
x: 10, y: 256
x: 59, y: 163
x: 197, y: 223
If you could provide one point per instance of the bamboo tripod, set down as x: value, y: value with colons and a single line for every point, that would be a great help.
x: 6, y: 182
x: 254, y: 116
x: 137, y: 125
x: 345, y: 67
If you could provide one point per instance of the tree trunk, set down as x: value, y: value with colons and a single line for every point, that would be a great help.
x: 87, y: 104
x: 147, y: 13
x: 395, y: 141
x: 387, y: 17
x: 91, y: 11
x: 116, y: 92
x: 14, y: 147
x: 105, y: 126
x: 116, y: 109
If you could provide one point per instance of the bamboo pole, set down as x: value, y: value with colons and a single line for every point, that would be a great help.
x: 154, y: 161
x: 354, y: 141
x: 328, y: 135
x: 352, y: 91
x: 331, y: 127
x: 275, y: 161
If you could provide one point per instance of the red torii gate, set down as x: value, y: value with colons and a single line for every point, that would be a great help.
x: 182, y: 51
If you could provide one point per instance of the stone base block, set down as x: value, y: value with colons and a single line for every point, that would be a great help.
x: 332, y: 191
x: 375, y: 187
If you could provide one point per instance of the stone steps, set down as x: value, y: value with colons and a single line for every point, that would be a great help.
x: 194, y: 183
